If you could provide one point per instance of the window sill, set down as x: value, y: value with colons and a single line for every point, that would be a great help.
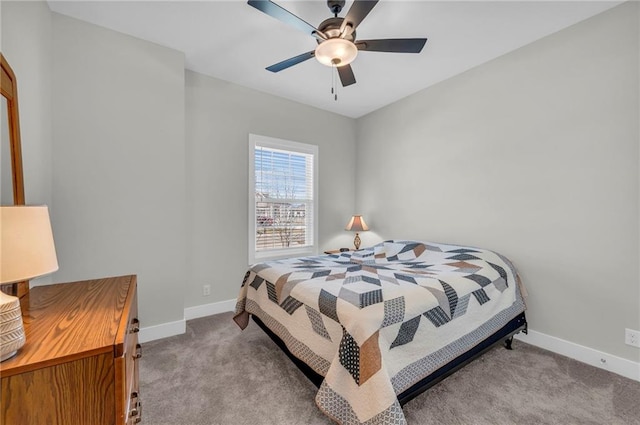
x: 260, y: 257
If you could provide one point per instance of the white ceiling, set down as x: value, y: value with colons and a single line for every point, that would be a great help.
x: 233, y: 41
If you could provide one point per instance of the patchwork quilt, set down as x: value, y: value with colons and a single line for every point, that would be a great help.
x: 374, y: 322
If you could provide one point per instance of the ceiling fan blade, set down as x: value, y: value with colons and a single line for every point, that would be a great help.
x: 358, y: 11
x: 291, y: 61
x: 397, y: 45
x: 346, y: 75
x: 283, y: 15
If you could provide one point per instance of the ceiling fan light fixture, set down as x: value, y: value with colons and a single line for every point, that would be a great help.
x: 336, y: 52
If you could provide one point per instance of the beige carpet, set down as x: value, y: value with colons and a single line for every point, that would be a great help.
x: 217, y: 374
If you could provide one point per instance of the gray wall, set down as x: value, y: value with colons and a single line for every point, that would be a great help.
x: 220, y: 115
x: 535, y: 155
x: 119, y: 163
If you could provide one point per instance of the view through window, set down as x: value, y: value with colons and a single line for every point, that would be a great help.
x: 283, y: 190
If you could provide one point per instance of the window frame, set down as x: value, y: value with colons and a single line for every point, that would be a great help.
x: 286, y: 145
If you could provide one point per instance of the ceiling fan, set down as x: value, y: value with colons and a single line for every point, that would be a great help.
x: 336, y: 37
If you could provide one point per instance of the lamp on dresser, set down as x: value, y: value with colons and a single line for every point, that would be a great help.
x: 26, y: 251
x: 357, y: 224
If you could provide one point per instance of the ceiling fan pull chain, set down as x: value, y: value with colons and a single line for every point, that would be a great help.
x: 332, y: 80
x: 334, y: 90
x: 334, y: 86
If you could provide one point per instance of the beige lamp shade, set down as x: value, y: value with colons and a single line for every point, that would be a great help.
x: 357, y: 224
x: 26, y: 243
x: 26, y: 251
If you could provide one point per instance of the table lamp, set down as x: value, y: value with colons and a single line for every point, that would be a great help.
x: 26, y: 251
x: 357, y: 224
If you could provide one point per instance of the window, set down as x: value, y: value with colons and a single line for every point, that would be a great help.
x: 282, y: 198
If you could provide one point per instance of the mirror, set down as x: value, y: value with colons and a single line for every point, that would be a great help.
x: 11, y: 179
x: 6, y: 177
x: 11, y: 134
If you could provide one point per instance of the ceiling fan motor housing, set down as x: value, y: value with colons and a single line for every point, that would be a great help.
x: 331, y: 28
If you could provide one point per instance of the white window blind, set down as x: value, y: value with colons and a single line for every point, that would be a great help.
x: 282, y: 198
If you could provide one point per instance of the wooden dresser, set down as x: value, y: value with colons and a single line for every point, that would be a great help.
x: 79, y: 365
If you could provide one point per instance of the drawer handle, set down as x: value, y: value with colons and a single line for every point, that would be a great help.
x: 137, y: 412
x: 138, y: 353
x: 135, y: 325
x: 137, y: 409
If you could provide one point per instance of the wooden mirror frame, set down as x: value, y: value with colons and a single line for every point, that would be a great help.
x: 9, y: 90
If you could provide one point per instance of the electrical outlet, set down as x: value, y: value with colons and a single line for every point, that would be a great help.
x: 206, y: 290
x: 632, y: 337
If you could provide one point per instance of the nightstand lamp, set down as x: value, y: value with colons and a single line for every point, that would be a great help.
x: 357, y: 224
x: 26, y: 251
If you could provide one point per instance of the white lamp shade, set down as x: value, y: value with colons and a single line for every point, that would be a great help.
x: 357, y: 224
x: 26, y: 243
x: 336, y: 52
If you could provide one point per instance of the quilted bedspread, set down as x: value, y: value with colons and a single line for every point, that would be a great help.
x: 374, y: 322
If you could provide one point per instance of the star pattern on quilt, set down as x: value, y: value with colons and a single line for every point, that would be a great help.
x: 362, y: 281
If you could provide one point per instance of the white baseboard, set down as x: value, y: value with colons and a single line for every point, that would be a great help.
x: 164, y: 330
x: 618, y: 365
x: 209, y: 309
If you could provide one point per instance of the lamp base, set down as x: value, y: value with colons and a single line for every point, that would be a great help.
x: 8, y: 355
x: 357, y: 241
x: 12, y: 335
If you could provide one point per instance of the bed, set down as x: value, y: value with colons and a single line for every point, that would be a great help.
x: 375, y: 327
